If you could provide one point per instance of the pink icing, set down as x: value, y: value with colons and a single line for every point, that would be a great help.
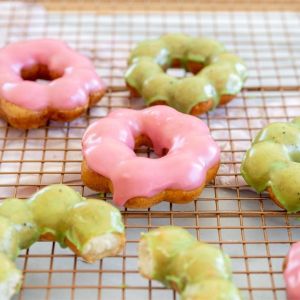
x: 108, y: 148
x: 71, y: 90
x: 292, y: 273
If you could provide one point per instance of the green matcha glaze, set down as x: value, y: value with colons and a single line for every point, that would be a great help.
x: 235, y: 61
x: 285, y: 185
x: 223, y: 71
x: 273, y: 162
x: 191, y: 91
x: 223, y: 77
x: 89, y: 219
x: 211, y: 289
x: 20, y: 214
x: 200, y: 256
x: 164, y: 244
x: 9, y: 241
x: 49, y: 207
x: 159, y: 87
x: 177, y: 45
x: 141, y: 70
x: 195, y: 269
x: 259, y: 162
x: 154, y: 49
x: 203, y: 50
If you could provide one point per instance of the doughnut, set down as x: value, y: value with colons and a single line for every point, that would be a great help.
x: 219, y: 74
x: 188, y: 156
x: 26, y: 103
x: 272, y: 164
x: 196, y: 270
x: 291, y: 272
x: 91, y: 228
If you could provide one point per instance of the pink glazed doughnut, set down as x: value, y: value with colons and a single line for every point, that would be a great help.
x: 26, y: 103
x: 188, y: 156
x: 291, y: 272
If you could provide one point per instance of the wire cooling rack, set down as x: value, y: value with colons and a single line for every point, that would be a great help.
x: 253, y: 231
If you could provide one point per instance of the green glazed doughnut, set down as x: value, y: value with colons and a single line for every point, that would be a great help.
x: 194, y: 269
x: 93, y: 229
x: 272, y: 164
x: 219, y: 75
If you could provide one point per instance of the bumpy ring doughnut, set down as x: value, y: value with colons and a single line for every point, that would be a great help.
x: 25, y: 103
x: 219, y: 74
x: 195, y: 269
x: 190, y: 156
x: 93, y: 229
x: 272, y: 163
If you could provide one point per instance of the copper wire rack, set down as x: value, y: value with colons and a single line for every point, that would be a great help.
x: 248, y: 226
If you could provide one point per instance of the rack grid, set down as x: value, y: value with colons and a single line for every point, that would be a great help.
x: 248, y: 226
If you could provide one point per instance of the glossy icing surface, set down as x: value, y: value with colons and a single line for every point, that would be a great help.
x: 100, y: 218
x: 194, y: 269
x: 273, y: 162
x: 78, y: 76
x: 292, y: 272
x: 223, y: 74
x: 57, y: 210
x: 18, y: 212
x: 50, y: 206
x: 212, y: 289
x: 108, y: 148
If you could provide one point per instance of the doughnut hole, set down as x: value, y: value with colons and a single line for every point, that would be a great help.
x: 194, y: 67
x: 39, y: 73
x: 191, y: 66
x: 144, y: 141
x: 178, y: 72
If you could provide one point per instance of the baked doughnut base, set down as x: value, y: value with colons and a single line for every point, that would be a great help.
x: 274, y: 199
x: 23, y: 118
x: 103, y: 184
x: 284, y: 264
x: 89, y: 258
x: 198, y: 109
x: 92, y: 258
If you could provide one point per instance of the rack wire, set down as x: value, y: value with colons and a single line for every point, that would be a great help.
x: 249, y: 227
